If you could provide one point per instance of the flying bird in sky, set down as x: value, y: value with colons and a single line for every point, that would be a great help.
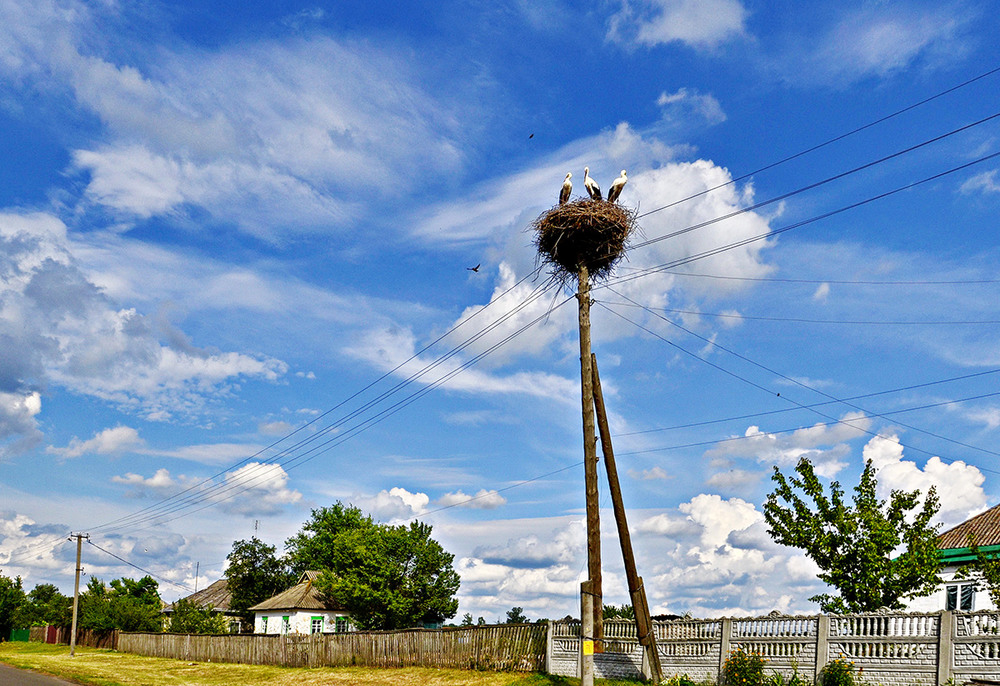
x: 616, y: 187
x: 567, y: 188
x: 592, y: 188
x: 476, y: 268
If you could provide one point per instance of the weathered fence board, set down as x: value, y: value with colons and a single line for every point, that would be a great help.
x: 506, y: 647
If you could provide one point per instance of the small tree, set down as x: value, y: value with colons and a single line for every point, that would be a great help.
x: 12, y: 602
x: 254, y: 574
x: 516, y: 616
x: 855, y: 544
x: 188, y: 618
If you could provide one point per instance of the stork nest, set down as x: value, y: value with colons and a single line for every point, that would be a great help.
x: 584, y: 233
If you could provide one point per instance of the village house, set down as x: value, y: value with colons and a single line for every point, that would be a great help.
x: 215, y: 597
x: 302, y: 609
x: 954, y: 551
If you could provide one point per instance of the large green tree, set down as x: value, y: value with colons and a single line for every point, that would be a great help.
x: 12, y: 602
x: 46, y: 605
x: 125, y: 604
x: 254, y: 574
x: 388, y: 577
x: 874, y: 553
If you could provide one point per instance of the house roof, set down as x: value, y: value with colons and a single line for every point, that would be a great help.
x: 984, y: 527
x: 302, y: 596
x: 215, y: 596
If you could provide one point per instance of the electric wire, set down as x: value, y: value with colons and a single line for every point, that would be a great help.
x: 785, y: 410
x: 211, y: 479
x: 790, y: 227
x: 811, y: 186
x: 845, y: 422
x: 830, y: 141
x: 840, y: 282
x: 144, y: 571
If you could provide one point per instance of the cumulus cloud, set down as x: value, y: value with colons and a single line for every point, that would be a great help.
x: 395, y: 504
x: 482, y: 500
x: 700, y: 24
x: 113, y: 441
x: 822, y: 444
x: 256, y: 489
x: 57, y: 327
x: 959, y: 485
x: 161, y: 484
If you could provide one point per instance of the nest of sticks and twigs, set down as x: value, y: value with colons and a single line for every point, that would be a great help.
x: 584, y: 233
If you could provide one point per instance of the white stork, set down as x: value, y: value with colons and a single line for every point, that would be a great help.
x: 616, y: 187
x: 567, y: 188
x: 592, y: 188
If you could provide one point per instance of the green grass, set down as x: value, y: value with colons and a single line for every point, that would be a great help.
x: 110, y: 668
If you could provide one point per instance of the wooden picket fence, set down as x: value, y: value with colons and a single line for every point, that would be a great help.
x: 502, y: 647
x: 84, y: 637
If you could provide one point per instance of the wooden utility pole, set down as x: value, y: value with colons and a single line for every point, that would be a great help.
x: 76, y: 590
x: 590, y: 461
x: 652, y: 669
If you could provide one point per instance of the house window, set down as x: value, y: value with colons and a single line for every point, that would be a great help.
x: 341, y: 625
x: 286, y: 625
x: 960, y: 597
x: 263, y: 625
x: 316, y: 625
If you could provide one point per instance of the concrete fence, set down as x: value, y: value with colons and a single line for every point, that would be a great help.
x: 887, y: 649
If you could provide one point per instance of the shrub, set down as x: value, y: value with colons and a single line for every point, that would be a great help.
x: 743, y: 668
x: 680, y: 680
x: 840, y: 672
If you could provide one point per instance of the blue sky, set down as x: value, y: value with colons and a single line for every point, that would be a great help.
x: 223, y: 224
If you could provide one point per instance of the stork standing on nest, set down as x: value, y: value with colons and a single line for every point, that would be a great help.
x: 592, y: 188
x: 616, y: 187
x: 567, y: 188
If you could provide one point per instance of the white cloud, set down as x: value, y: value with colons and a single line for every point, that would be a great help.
x: 256, y: 489
x: 698, y: 23
x: 684, y: 103
x: 787, y: 449
x: 879, y: 40
x: 161, y: 484
x: 959, y: 485
x: 395, y: 504
x: 652, y: 474
x: 18, y: 427
x: 986, y: 182
x: 113, y: 441
x: 482, y: 500
x: 57, y: 326
x: 822, y: 292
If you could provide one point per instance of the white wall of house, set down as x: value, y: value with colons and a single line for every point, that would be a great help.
x: 301, y: 622
x: 963, y: 596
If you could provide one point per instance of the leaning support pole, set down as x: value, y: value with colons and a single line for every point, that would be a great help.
x: 590, y: 461
x: 652, y: 669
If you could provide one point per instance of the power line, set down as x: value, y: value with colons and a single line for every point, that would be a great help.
x: 805, y: 222
x: 811, y: 186
x: 754, y: 415
x: 803, y: 320
x: 838, y: 282
x: 828, y: 141
x: 144, y: 571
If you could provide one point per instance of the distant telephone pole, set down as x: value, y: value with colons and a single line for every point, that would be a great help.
x: 76, y: 590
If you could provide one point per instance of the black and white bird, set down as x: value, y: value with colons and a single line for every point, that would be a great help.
x: 567, y: 188
x: 592, y: 188
x: 616, y: 187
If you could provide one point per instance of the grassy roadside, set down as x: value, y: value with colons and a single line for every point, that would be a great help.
x: 110, y: 668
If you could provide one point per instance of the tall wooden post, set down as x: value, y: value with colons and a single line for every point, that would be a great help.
x: 637, y: 591
x: 76, y: 592
x: 590, y: 460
